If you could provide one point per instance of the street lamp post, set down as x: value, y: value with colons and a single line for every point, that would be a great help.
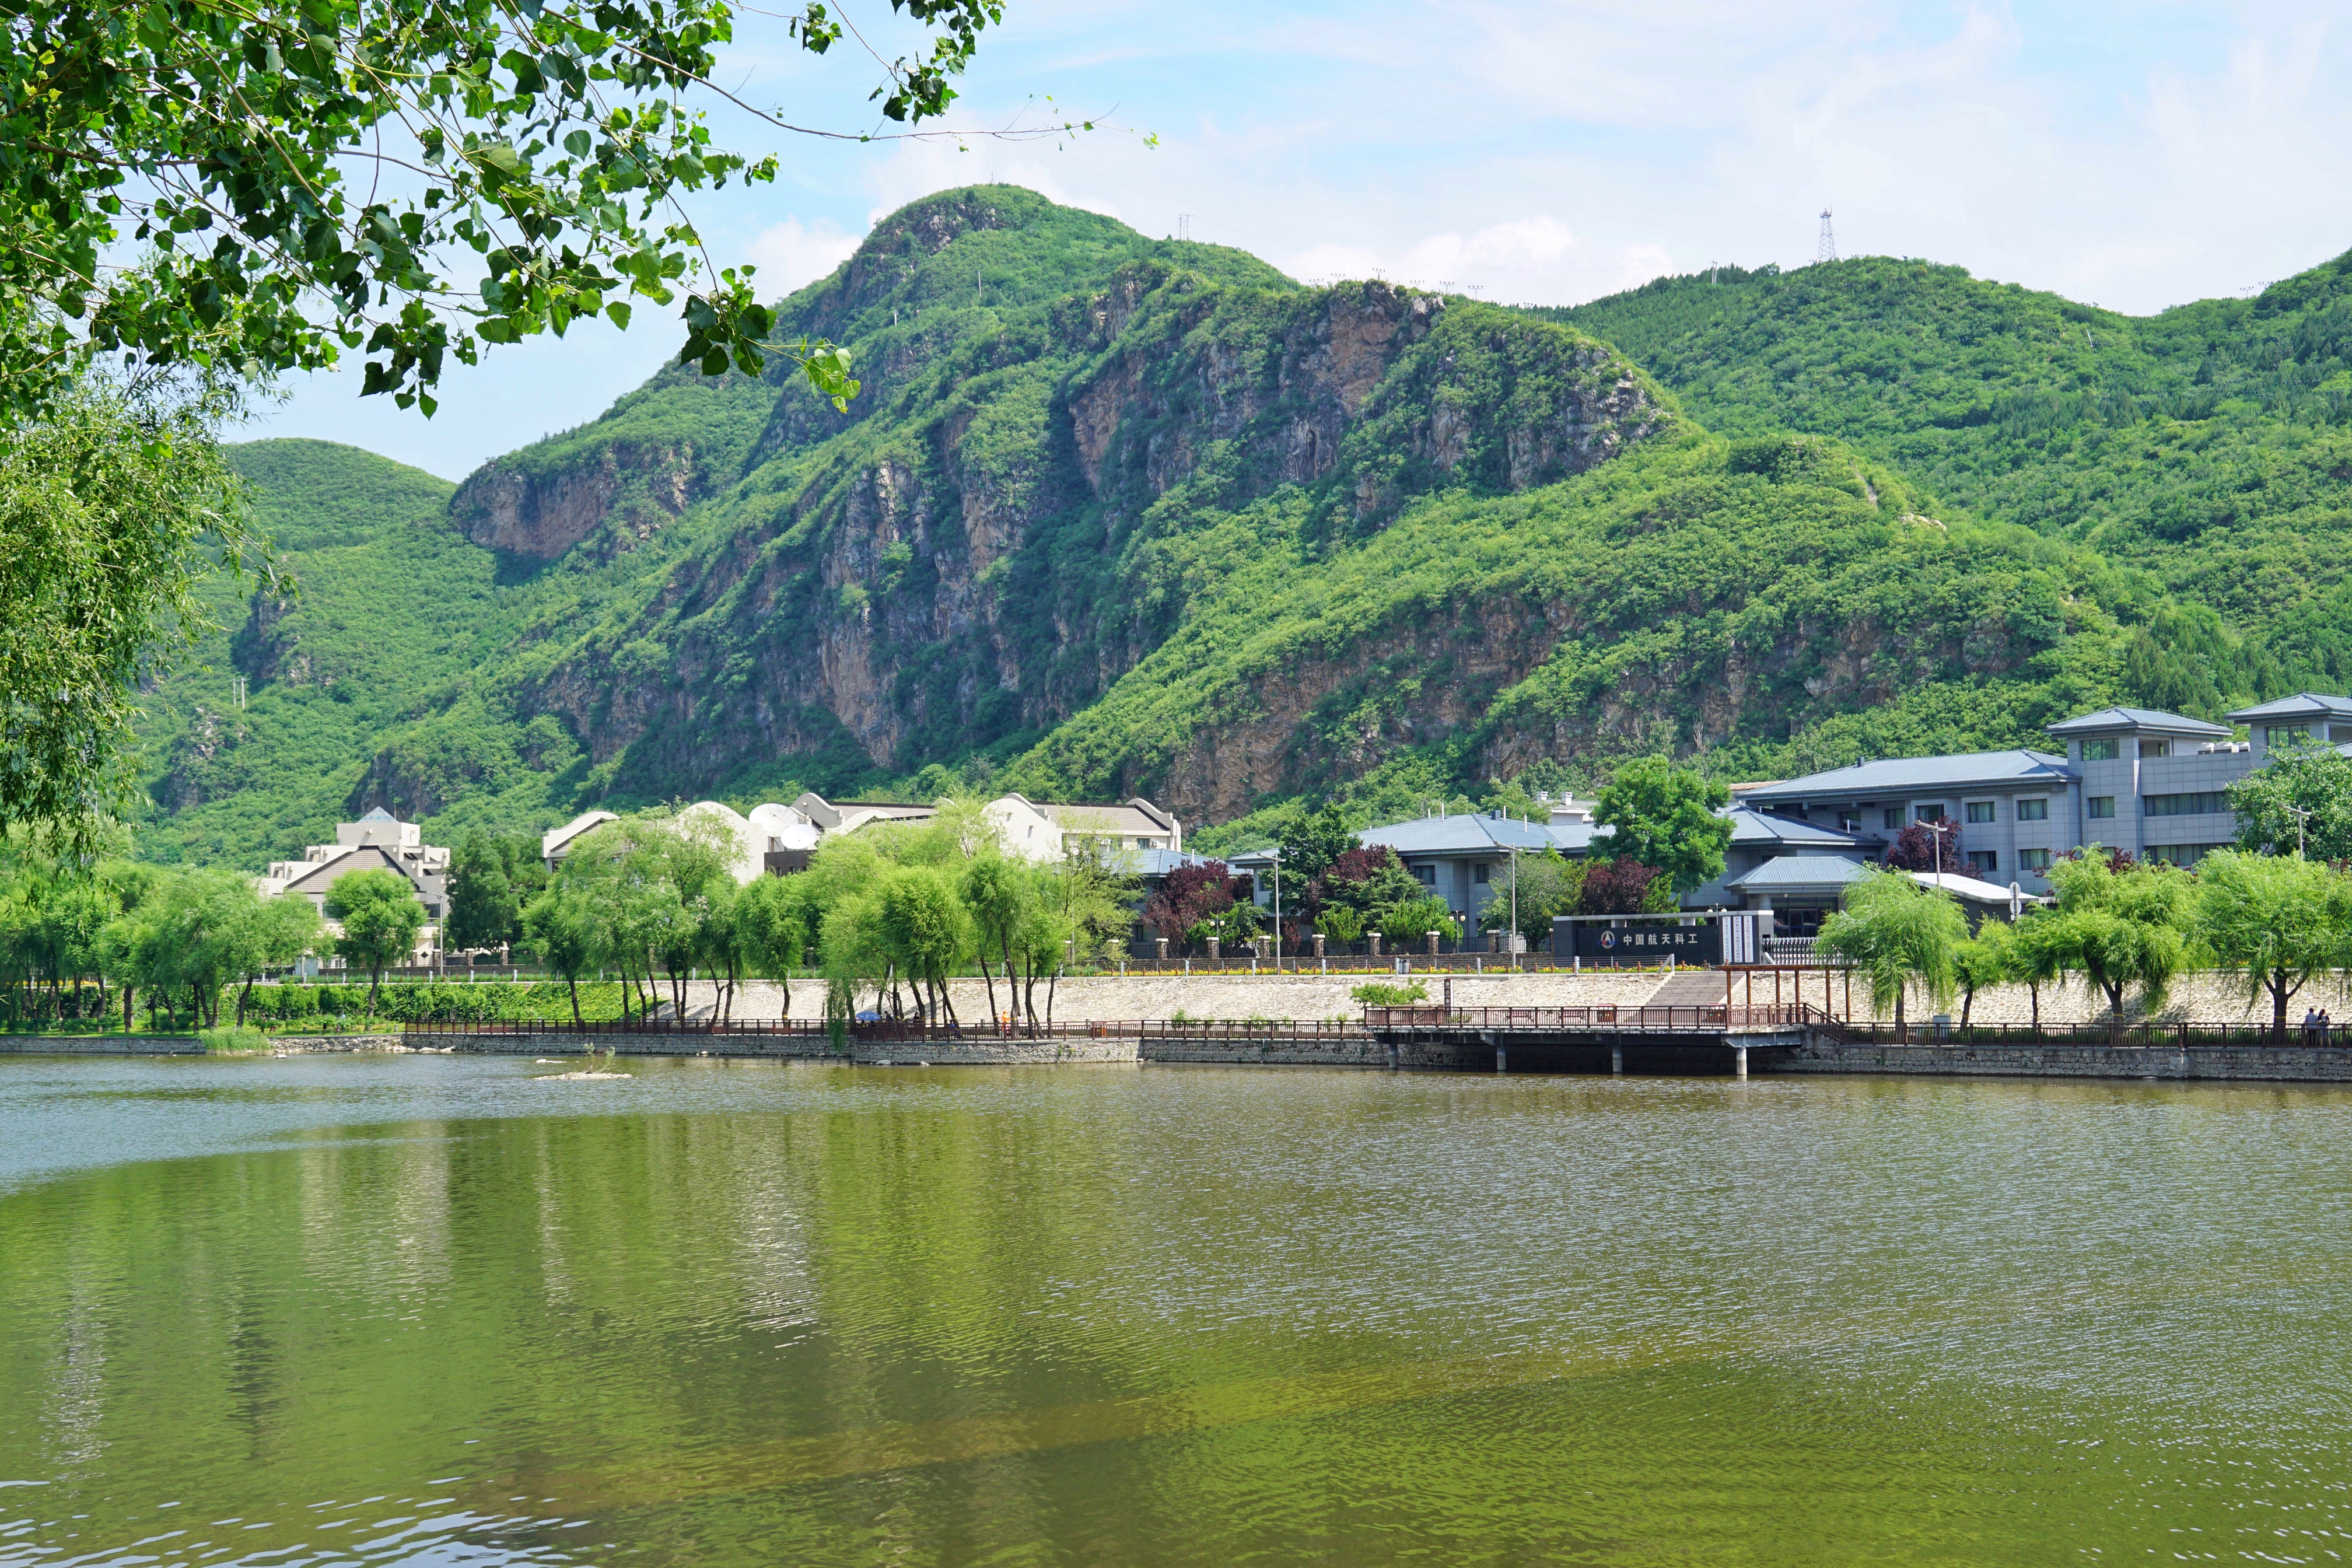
x: 1277, y: 909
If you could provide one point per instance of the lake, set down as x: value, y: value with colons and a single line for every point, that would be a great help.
x: 427, y: 1309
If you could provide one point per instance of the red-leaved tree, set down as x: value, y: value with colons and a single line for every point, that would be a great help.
x: 1619, y: 886
x: 1193, y: 894
x: 1915, y: 847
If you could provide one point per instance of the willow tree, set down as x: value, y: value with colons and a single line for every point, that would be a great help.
x: 113, y: 501
x: 1900, y: 934
x: 2122, y: 925
x: 263, y: 187
x: 2277, y: 922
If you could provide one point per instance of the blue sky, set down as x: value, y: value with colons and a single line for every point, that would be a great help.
x: 2139, y: 155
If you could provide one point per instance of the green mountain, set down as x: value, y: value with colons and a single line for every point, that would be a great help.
x: 1115, y: 515
x: 2210, y: 445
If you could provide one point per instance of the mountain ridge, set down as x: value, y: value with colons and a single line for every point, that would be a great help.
x: 1137, y: 525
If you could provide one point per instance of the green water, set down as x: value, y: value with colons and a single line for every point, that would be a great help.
x: 430, y: 1310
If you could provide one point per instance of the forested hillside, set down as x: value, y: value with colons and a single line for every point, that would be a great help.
x: 2211, y: 445
x: 1114, y: 515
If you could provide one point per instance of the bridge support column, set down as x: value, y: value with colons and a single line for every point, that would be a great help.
x: 1740, y: 1052
x: 1617, y: 1057
x: 1502, y: 1056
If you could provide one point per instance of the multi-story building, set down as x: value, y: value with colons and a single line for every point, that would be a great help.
x: 377, y: 842
x: 2152, y: 785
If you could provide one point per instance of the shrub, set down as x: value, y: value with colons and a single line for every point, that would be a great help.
x: 1381, y: 993
x: 233, y: 1040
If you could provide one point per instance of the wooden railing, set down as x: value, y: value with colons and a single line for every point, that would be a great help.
x: 2161, y: 1036
x: 915, y: 1029
x: 1703, y: 1017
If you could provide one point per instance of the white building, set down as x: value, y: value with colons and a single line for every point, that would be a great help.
x: 780, y: 839
x: 377, y: 842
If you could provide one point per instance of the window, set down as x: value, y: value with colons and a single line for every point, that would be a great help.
x: 2102, y: 805
x: 2181, y: 855
x: 2032, y: 811
x: 1984, y: 862
x: 1980, y: 811
x: 1894, y: 816
x: 1428, y: 874
x: 2339, y: 734
x: 1849, y: 821
x: 1928, y: 812
x: 2105, y: 749
x: 2034, y: 859
x: 2156, y: 748
x: 2185, y: 805
x: 2284, y: 734
x: 1479, y: 873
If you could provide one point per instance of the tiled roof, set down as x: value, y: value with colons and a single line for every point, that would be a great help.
x: 1757, y: 827
x: 1918, y: 774
x: 1786, y: 873
x: 2107, y: 718
x: 1160, y: 862
x: 1460, y: 835
x: 2302, y: 705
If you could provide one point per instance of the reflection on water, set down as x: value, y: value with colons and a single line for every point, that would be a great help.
x: 433, y: 1311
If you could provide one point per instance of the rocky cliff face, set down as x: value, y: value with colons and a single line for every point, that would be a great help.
x: 540, y: 512
x: 995, y: 563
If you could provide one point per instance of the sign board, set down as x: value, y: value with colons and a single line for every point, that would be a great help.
x: 1706, y: 939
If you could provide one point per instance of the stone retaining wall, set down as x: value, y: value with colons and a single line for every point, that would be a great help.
x: 2271, y: 1064
x: 100, y: 1045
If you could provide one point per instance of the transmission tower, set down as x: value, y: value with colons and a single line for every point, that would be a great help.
x: 1183, y: 226
x: 1829, y: 239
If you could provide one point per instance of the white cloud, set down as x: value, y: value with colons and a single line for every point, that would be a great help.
x: 2135, y: 153
x: 794, y: 254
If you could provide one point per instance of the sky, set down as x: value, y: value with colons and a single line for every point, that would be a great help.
x: 2132, y: 155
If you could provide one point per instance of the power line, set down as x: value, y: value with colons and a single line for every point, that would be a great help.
x: 1829, y: 239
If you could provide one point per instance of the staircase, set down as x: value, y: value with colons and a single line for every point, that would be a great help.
x: 1696, y: 988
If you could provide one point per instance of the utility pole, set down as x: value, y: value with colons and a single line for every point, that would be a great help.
x: 2301, y: 817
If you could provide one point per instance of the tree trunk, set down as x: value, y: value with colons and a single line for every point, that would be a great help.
x: 1968, y: 1004
x: 2114, y: 1014
x: 1051, y: 981
x: 2279, y: 993
x: 130, y: 994
x: 572, y: 982
x: 989, y: 976
x: 244, y: 998
x: 2033, y: 989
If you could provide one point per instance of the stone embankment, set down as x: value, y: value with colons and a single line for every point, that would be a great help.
x: 1280, y: 997
x: 2257, y: 1064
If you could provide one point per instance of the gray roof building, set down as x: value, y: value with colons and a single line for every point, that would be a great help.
x: 2306, y: 716
x: 1910, y: 774
x: 2136, y: 779
x: 2137, y: 720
